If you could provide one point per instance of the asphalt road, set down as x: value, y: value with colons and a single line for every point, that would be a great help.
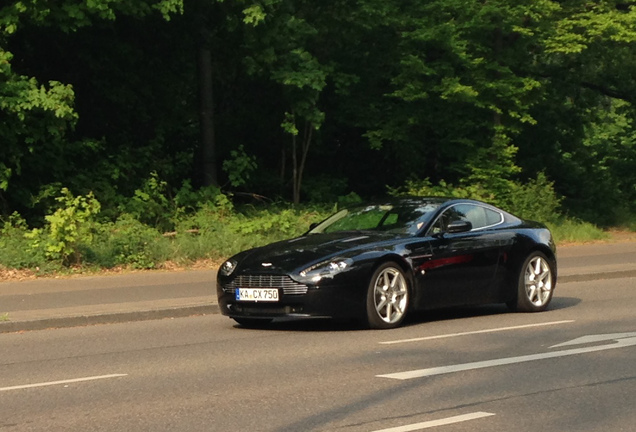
x: 79, y: 301
x: 478, y: 369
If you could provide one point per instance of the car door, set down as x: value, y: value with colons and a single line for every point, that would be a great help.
x: 463, y: 265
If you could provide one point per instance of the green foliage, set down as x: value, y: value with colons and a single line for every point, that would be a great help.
x: 254, y: 14
x: 239, y: 166
x: 349, y: 199
x: 215, y: 231
x: 188, y: 200
x: 150, y: 203
x: 129, y: 243
x: 494, y: 166
x: 230, y: 231
x: 535, y: 199
x: 605, y: 166
x: 266, y: 224
x: 442, y: 189
x: 67, y: 228
x: 70, y: 15
x: 331, y: 97
x: 35, y: 116
x: 591, y: 24
x: 324, y: 189
x: 15, y: 252
x: 567, y: 230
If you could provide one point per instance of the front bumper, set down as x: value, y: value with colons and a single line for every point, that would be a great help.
x: 324, y: 301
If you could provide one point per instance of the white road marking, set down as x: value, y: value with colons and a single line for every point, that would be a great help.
x: 475, y: 332
x: 627, y: 339
x: 595, y: 338
x: 440, y: 422
x: 68, y: 381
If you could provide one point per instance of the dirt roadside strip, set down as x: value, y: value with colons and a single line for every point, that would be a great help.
x: 69, y: 302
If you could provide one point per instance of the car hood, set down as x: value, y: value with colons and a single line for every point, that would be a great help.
x: 298, y: 253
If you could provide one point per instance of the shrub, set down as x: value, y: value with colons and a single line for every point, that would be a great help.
x: 15, y: 250
x: 217, y: 230
x: 128, y: 242
x: 150, y: 204
x: 535, y: 200
x: 70, y: 226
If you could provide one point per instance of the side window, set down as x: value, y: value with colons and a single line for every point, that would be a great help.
x: 450, y: 215
x: 493, y: 217
x: 438, y: 226
x: 478, y: 216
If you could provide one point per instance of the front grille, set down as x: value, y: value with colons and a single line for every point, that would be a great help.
x: 287, y: 284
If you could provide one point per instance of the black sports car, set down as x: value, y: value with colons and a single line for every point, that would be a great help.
x: 376, y: 262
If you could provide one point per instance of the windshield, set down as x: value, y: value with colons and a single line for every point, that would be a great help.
x: 400, y: 218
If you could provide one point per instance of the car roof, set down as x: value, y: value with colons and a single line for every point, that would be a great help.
x: 418, y: 200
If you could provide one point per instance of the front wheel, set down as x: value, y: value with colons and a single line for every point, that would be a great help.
x: 536, y: 284
x: 387, y: 297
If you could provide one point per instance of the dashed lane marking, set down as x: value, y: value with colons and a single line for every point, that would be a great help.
x: 440, y: 422
x: 500, y: 329
x: 68, y: 381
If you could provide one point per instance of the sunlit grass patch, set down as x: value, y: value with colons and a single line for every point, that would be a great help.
x: 574, y: 231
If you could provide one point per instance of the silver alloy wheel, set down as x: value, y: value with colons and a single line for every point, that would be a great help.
x: 390, y: 295
x: 538, y: 281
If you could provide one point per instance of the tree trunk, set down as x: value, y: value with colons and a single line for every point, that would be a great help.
x: 283, y: 166
x: 207, y: 164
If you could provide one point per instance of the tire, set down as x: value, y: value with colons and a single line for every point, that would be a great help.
x: 252, y: 322
x: 388, y: 297
x: 536, y: 284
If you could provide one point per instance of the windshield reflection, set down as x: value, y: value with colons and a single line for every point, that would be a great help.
x: 403, y: 218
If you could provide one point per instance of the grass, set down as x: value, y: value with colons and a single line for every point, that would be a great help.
x: 572, y: 231
x: 4, y: 317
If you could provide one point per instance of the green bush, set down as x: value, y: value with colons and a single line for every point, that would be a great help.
x: 69, y: 227
x: 150, y: 204
x: 534, y: 200
x: 207, y: 225
x: 127, y: 242
x: 239, y: 166
x: 15, y: 250
x: 218, y: 230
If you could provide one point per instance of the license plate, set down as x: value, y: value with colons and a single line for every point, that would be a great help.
x: 257, y: 294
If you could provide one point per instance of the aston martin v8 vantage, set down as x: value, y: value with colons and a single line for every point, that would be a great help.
x: 377, y: 262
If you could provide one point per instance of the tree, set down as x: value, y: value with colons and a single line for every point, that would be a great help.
x: 39, y: 116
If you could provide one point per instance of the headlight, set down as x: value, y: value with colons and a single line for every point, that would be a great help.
x: 227, y: 267
x: 326, y: 269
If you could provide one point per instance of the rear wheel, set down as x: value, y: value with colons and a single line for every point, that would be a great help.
x: 387, y: 297
x: 536, y: 284
x: 252, y: 322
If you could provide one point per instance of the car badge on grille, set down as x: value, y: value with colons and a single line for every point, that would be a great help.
x: 266, y: 264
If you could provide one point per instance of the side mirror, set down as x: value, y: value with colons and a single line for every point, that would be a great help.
x: 459, y: 226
